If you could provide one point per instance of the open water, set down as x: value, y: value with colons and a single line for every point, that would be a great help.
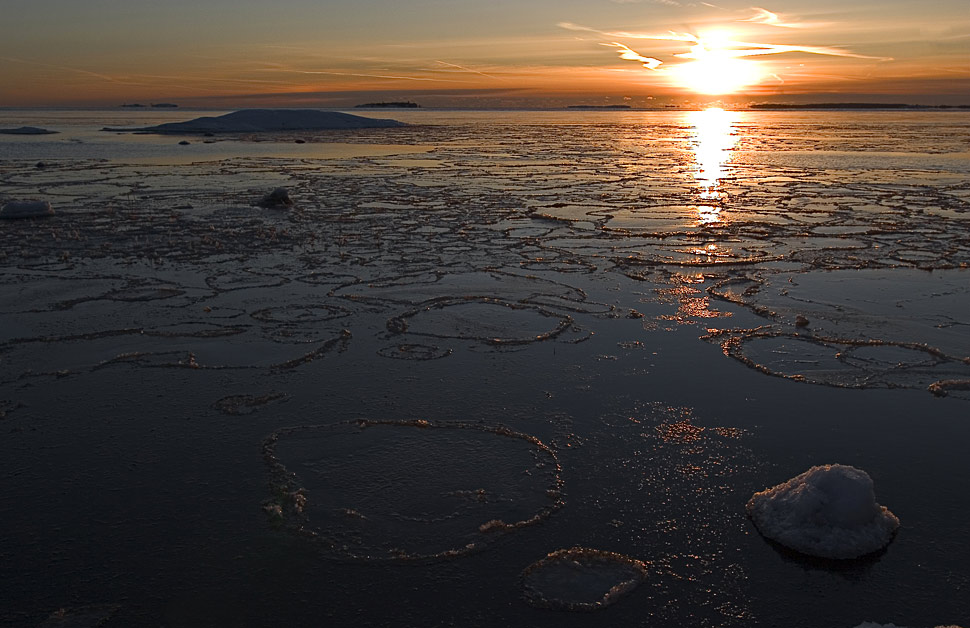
x: 473, y: 342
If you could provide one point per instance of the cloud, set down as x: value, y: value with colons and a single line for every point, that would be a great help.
x: 632, y: 55
x: 729, y: 47
x: 668, y: 36
x: 363, y: 75
x: 764, y: 16
x: 669, y: 3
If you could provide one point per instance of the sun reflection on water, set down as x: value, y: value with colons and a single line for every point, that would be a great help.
x: 713, y: 138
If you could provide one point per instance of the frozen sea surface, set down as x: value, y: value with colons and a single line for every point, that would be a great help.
x: 473, y: 342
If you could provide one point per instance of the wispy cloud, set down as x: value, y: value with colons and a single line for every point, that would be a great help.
x: 764, y: 16
x: 729, y: 47
x: 669, y: 3
x: 632, y: 55
x: 364, y: 75
x: 668, y: 36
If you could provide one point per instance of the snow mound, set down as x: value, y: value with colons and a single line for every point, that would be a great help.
x: 269, y: 120
x: 829, y: 511
x: 26, y: 209
x: 278, y: 198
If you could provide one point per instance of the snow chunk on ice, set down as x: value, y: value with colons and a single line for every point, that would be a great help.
x: 269, y: 120
x: 26, y: 209
x: 829, y: 511
x: 278, y: 198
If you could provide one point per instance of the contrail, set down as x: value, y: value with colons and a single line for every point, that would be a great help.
x: 454, y: 65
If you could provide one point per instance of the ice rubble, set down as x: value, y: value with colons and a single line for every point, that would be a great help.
x: 268, y: 120
x: 829, y: 511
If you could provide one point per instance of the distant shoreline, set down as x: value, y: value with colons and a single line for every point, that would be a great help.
x: 851, y: 105
x: 875, y: 107
x: 389, y: 105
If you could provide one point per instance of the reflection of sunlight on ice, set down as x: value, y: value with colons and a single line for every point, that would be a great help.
x: 708, y: 214
x: 713, y: 141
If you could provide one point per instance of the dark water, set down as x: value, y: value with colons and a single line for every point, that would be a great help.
x: 498, y: 335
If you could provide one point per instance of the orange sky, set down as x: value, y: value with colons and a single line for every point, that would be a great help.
x: 464, y: 53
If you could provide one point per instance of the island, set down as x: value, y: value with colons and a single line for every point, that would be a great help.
x: 851, y: 105
x: 389, y: 105
x: 266, y: 120
x: 27, y: 130
x: 599, y: 107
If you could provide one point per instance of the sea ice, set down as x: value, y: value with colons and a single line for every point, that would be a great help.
x: 581, y: 579
x: 829, y: 511
x: 81, y: 616
x: 408, y: 490
x: 26, y: 209
x: 872, y: 624
x: 268, y: 120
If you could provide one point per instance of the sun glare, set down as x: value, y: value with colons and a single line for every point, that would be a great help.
x: 716, y: 67
x: 714, y: 139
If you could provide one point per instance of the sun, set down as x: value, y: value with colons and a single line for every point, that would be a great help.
x: 716, y: 67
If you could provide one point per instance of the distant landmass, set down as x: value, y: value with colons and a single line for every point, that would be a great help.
x: 27, y: 130
x: 599, y: 107
x: 164, y: 105
x: 267, y: 120
x: 389, y: 105
x: 853, y: 105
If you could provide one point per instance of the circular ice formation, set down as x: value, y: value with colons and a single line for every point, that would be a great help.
x: 301, y: 313
x: 484, y: 319
x: 829, y: 511
x: 406, y: 490
x: 414, y: 352
x: 581, y: 579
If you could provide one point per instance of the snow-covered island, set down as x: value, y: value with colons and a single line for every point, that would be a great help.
x: 268, y: 120
x: 27, y: 130
x: 829, y: 511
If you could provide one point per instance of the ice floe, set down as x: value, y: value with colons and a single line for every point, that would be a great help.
x: 829, y: 511
x: 581, y: 579
x: 408, y: 490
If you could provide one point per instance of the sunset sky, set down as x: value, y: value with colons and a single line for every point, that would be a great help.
x: 480, y: 53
